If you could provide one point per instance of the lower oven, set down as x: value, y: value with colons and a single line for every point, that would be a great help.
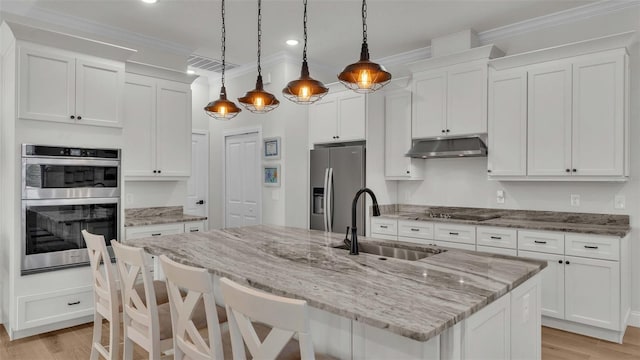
x: 52, y: 237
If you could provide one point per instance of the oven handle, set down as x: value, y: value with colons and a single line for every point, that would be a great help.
x: 71, y: 162
x: 89, y: 201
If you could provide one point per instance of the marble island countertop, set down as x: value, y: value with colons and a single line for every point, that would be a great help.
x: 416, y: 299
x: 158, y: 215
x: 585, y: 223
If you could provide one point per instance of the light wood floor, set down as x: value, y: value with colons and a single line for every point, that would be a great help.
x: 75, y: 344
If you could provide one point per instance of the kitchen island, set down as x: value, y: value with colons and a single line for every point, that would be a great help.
x: 453, y: 304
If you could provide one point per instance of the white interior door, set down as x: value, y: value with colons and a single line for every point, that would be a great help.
x: 242, y: 180
x: 198, y: 183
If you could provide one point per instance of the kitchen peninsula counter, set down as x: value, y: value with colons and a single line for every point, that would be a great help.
x: 414, y: 299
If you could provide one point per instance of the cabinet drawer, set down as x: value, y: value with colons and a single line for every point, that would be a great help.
x: 457, y: 233
x: 497, y: 237
x: 415, y: 229
x: 497, y: 250
x: 384, y: 227
x: 52, y: 307
x: 154, y: 230
x: 541, y: 241
x: 416, y: 240
x: 192, y: 227
x: 454, y: 245
x: 590, y: 246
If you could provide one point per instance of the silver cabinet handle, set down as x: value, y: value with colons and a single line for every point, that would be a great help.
x: 590, y: 247
x: 539, y: 242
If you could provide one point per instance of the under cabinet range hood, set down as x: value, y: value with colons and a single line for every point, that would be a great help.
x: 448, y: 147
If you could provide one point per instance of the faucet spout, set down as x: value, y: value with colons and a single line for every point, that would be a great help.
x: 353, y: 250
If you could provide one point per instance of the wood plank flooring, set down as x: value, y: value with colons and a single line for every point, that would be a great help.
x: 75, y: 344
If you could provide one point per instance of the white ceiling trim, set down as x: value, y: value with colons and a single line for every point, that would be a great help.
x: 279, y: 57
x: 555, y: 19
x: 92, y: 27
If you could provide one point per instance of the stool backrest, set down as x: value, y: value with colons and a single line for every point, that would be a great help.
x: 104, y: 277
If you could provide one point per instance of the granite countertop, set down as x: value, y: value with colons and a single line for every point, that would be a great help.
x: 158, y: 215
x: 585, y: 223
x: 416, y: 299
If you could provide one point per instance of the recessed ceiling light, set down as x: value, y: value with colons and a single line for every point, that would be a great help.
x: 190, y: 72
x: 150, y: 1
x: 292, y: 42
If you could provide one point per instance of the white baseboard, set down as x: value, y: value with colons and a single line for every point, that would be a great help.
x: 634, y: 319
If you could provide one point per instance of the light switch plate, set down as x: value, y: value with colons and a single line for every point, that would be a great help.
x: 575, y: 200
x: 620, y: 202
x: 500, y: 196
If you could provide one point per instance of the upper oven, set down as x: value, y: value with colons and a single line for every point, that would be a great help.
x: 50, y: 172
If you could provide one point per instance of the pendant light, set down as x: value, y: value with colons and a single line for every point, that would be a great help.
x: 257, y: 100
x: 222, y: 109
x: 364, y: 76
x: 305, y: 90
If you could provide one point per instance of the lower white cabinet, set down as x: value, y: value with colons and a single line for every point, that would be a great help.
x: 497, y: 250
x: 552, y: 283
x: 487, y: 332
x: 52, y: 307
x: 465, y: 234
x: 454, y: 245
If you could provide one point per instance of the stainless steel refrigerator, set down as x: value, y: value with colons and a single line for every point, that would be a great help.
x: 337, y: 173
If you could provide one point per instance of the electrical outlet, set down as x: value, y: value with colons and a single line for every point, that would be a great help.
x: 500, y: 196
x: 575, y: 200
x: 620, y: 202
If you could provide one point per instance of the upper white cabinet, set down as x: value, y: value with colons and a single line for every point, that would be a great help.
x: 57, y: 85
x: 450, y: 101
x: 157, y: 128
x: 397, y: 138
x: 577, y: 104
x: 338, y: 117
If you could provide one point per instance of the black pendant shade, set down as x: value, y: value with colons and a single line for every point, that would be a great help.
x: 222, y: 109
x: 259, y: 101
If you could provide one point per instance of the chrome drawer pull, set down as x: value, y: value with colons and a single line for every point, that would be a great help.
x: 590, y: 247
x: 156, y: 234
x: 496, y: 237
x: 539, y: 242
x: 453, y: 233
x: 383, y: 226
x: 73, y: 303
x: 412, y: 229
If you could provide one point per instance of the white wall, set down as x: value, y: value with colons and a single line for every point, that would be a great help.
x: 286, y: 205
x: 463, y: 182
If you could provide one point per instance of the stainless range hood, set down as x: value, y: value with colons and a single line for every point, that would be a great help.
x: 448, y: 147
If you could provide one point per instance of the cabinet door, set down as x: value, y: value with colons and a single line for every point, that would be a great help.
x: 323, y: 120
x: 549, y: 121
x: 553, y: 283
x: 429, y: 105
x: 99, y: 93
x: 173, y: 129
x: 467, y: 99
x: 598, y: 115
x: 139, y: 126
x: 47, y: 86
x: 487, y: 333
x: 508, y: 124
x: 593, y: 292
x: 351, y: 117
x: 397, y: 135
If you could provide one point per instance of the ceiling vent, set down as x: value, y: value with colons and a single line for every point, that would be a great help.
x: 208, y: 64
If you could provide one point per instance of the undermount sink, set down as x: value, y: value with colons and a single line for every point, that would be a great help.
x: 387, y: 251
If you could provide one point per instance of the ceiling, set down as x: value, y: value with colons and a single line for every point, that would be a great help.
x: 394, y: 26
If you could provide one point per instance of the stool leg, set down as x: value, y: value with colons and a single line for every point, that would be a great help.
x: 128, y: 348
x: 97, y: 336
x: 114, y: 339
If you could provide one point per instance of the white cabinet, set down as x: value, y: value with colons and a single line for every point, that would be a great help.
x: 61, y: 86
x: 487, y: 333
x: 382, y: 228
x: 450, y: 101
x: 507, y: 151
x: 397, y: 138
x: 552, y: 283
x: 52, y: 307
x: 157, y: 129
x: 458, y: 233
x: 338, y: 117
x: 138, y: 232
x: 549, y: 130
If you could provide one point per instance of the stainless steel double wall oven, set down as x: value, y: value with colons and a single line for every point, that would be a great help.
x: 64, y: 191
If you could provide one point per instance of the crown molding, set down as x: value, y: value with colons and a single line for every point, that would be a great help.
x: 279, y: 57
x: 91, y: 27
x: 405, y: 57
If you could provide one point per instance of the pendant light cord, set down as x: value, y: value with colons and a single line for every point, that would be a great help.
x: 224, y: 41
x: 364, y: 21
x: 304, y: 22
x: 259, y: 35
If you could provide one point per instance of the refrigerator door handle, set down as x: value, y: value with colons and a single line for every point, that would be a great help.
x: 325, y: 201
x: 330, y: 200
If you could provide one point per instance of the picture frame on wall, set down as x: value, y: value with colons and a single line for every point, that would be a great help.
x: 271, y: 175
x: 271, y: 148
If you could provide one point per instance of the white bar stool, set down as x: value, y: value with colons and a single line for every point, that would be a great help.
x: 188, y: 341
x: 248, y: 312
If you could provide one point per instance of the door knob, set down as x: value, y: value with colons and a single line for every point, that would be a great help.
x: 201, y: 202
